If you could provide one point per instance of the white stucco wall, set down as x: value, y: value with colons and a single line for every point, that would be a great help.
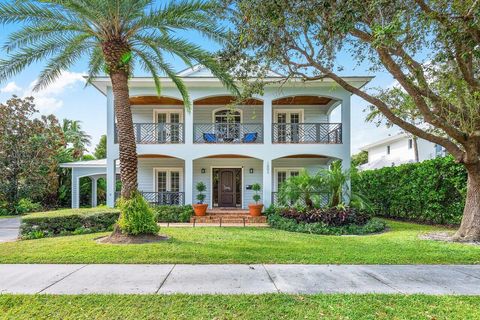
x: 400, y: 152
x: 265, y: 152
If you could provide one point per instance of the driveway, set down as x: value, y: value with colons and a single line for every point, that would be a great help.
x: 9, y: 229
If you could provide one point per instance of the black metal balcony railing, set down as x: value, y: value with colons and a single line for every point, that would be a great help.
x: 157, y: 133
x: 228, y: 133
x: 318, y: 199
x: 161, y: 198
x: 330, y: 133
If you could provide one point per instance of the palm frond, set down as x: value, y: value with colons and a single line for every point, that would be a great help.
x: 72, y: 52
x: 95, y: 64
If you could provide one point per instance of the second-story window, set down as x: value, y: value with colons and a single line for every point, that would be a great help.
x: 388, y: 149
x: 410, y: 143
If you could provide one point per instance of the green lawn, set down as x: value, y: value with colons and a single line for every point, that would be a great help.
x: 268, y: 306
x: 248, y: 245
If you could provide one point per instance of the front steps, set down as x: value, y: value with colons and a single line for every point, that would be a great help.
x: 228, y: 216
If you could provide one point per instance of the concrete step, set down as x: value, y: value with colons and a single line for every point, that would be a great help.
x: 228, y: 219
x: 227, y: 212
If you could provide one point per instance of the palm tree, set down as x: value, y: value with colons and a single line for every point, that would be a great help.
x: 302, y: 188
x: 74, y: 135
x: 115, y: 36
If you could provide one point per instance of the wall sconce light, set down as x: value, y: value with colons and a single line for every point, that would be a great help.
x: 203, y: 170
x: 251, y: 170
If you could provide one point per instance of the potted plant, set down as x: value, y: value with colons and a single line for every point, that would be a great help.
x: 255, y: 209
x: 200, y: 208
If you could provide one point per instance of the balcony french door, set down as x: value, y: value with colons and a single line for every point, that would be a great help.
x: 168, y: 126
x: 288, y: 126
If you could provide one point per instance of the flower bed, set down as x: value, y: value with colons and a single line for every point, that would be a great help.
x: 327, y: 221
x: 67, y: 222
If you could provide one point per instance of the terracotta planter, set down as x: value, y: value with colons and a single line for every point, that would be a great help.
x: 200, y: 209
x: 255, y: 210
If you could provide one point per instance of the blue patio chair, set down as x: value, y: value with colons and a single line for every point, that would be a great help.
x: 210, y: 137
x: 250, y: 137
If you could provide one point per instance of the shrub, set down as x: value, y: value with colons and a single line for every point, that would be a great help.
x: 26, y: 205
x: 328, y: 216
x: 431, y: 191
x: 66, y: 222
x: 201, y: 188
x: 256, y: 187
x: 173, y: 213
x: 136, y: 216
x: 289, y: 223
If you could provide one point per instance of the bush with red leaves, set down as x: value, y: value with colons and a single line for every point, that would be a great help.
x: 334, y: 217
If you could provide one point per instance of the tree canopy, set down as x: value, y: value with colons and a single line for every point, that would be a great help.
x: 431, y: 48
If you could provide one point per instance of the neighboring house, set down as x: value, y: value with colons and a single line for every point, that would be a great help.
x: 266, y: 140
x: 399, y: 149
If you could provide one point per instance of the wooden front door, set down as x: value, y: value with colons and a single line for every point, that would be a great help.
x: 227, y: 189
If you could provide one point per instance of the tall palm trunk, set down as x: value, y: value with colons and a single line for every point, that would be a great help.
x: 126, y: 136
x: 470, y: 227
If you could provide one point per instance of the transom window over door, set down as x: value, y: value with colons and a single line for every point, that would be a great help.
x: 168, y: 125
x: 169, y: 185
x: 227, y: 124
x: 288, y: 128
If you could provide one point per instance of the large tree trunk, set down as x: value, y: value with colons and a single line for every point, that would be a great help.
x: 470, y: 227
x: 126, y: 136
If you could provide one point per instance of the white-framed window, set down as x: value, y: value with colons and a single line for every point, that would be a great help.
x: 410, y: 143
x: 168, y: 179
x: 282, y: 174
x: 168, y: 125
x: 388, y: 149
x: 288, y: 124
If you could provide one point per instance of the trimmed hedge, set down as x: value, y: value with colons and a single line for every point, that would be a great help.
x: 67, y: 222
x: 173, y: 213
x: 278, y: 221
x: 431, y: 191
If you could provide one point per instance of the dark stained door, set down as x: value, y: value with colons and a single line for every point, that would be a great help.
x: 227, y: 188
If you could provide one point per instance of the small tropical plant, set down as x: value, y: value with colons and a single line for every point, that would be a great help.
x: 302, y: 188
x: 136, y: 216
x: 201, y: 188
x: 336, y: 180
x: 256, y: 187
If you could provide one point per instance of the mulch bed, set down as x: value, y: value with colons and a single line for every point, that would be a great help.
x: 120, y: 238
x: 444, y: 236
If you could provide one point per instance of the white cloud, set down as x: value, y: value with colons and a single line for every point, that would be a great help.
x: 48, y: 100
x: 11, y: 87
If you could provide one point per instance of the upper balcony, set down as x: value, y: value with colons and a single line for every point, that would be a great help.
x: 293, y: 120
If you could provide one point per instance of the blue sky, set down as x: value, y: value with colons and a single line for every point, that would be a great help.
x: 69, y: 98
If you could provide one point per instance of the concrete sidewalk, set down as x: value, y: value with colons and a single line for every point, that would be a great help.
x: 239, y: 279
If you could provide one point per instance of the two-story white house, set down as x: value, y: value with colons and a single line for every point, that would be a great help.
x: 266, y: 140
x: 399, y: 149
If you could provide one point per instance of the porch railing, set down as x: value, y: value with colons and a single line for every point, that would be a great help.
x: 157, y: 133
x: 330, y: 133
x: 161, y: 198
x: 318, y: 199
x: 228, y: 133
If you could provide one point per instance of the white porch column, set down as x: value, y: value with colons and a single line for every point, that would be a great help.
x: 94, y: 191
x: 75, y: 190
x: 188, y: 188
x: 267, y: 119
x: 188, y: 123
x: 111, y: 181
x: 267, y: 182
x: 346, y: 158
